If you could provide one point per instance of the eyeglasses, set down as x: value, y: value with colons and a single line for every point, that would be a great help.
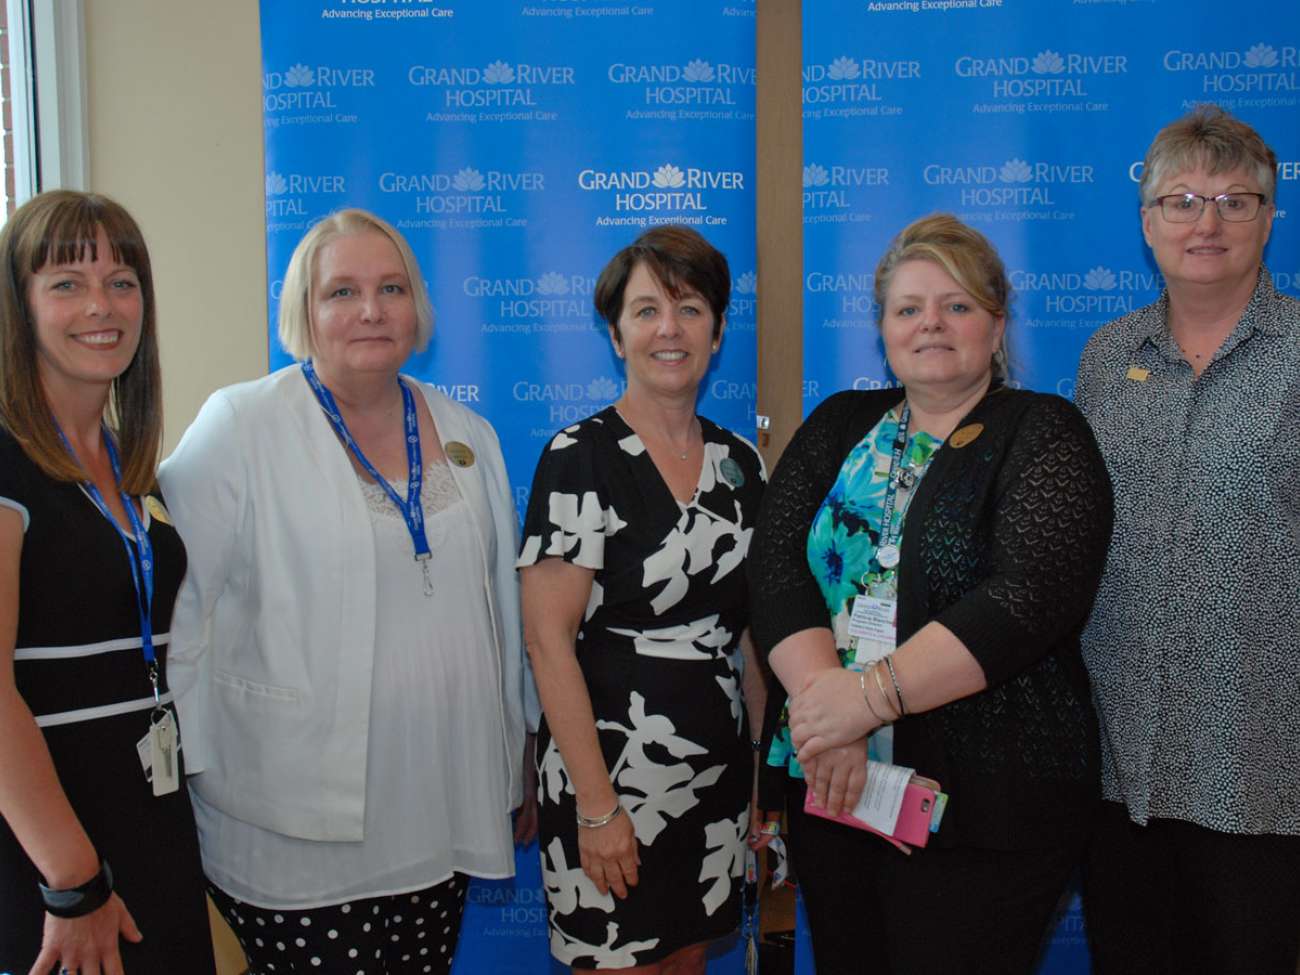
x: 1188, y: 207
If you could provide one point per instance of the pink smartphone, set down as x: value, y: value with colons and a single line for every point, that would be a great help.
x: 914, y: 818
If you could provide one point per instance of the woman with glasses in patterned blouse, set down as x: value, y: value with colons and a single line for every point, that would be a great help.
x: 1195, y: 401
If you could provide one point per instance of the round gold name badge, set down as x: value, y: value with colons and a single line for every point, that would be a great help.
x: 960, y: 438
x: 458, y: 453
x: 156, y: 510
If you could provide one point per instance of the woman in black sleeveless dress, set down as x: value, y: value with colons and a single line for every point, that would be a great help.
x: 89, y: 568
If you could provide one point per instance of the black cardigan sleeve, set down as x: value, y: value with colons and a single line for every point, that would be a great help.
x: 784, y: 594
x: 1049, y: 533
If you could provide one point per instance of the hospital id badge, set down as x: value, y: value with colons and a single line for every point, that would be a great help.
x: 158, y: 756
x: 874, y: 618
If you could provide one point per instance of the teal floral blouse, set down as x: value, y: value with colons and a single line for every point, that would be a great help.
x: 842, y: 546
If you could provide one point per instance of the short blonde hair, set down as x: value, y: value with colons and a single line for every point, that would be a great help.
x: 1207, y: 137
x: 967, y: 255
x: 295, y: 295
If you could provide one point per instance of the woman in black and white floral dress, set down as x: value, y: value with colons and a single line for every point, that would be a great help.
x: 635, y: 616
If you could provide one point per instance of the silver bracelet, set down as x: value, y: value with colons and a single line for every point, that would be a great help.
x: 862, y: 683
x: 595, y: 822
x: 889, y: 662
x: 880, y: 686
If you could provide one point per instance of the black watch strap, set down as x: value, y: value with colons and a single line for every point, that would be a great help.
x: 78, y: 901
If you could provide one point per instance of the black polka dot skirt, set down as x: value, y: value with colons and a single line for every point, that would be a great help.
x: 403, y: 934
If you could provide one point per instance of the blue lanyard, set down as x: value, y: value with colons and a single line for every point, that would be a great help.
x: 139, y: 551
x: 411, y: 509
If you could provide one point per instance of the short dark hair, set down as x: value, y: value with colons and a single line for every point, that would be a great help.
x: 62, y: 227
x: 680, y: 259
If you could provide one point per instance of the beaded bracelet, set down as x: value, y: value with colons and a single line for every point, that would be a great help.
x: 595, y: 822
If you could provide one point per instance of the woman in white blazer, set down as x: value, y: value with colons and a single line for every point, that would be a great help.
x: 346, y: 649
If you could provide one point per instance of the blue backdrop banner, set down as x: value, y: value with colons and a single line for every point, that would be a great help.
x: 1028, y: 119
x: 517, y: 146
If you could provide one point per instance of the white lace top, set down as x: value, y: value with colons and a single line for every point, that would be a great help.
x: 435, y: 792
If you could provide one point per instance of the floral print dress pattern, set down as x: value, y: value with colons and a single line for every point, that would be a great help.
x: 842, y: 546
x: 659, y: 650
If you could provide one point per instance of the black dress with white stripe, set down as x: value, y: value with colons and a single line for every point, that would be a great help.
x: 79, y: 667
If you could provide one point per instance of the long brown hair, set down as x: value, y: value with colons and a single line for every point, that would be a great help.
x: 61, y: 227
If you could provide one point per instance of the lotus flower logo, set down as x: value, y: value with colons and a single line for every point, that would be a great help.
x: 843, y: 69
x: 669, y: 176
x: 1048, y: 62
x: 468, y: 180
x: 698, y: 70
x: 1261, y: 56
x: 1099, y: 279
x: 498, y: 73
x: 299, y: 76
x: 1015, y: 171
x: 602, y: 389
x: 275, y: 184
x: 815, y: 174
x: 747, y: 283
x: 552, y: 283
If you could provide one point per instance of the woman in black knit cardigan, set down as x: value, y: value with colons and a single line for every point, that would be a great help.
x: 967, y: 524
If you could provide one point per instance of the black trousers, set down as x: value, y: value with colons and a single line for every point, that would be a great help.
x: 403, y: 934
x: 1173, y: 897
x: 955, y: 911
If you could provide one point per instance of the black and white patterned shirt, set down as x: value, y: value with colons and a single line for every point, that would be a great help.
x: 1192, y: 646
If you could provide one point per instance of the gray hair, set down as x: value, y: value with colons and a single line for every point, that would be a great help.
x: 1207, y: 137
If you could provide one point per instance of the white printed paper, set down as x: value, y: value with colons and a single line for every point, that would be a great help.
x: 882, y: 799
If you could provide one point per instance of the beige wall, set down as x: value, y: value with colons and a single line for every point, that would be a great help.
x: 176, y: 137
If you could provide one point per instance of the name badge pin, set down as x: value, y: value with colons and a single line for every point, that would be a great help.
x: 1137, y: 374
x: 887, y: 556
x: 156, y: 510
x: 960, y: 438
x: 458, y: 453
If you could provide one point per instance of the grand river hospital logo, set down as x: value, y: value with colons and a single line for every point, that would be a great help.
x: 697, y: 83
x: 860, y: 86
x: 1082, y: 299
x: 831, y: 193
x: 668, y: 193
x: 466, y: 190
x: 1054, y: 80
x: 286, y: 193
x: 496, y: 84
x: 566, y: 403
x: 302, y: 87
x: 1261, y: 69
x: 550, y: 302
x: 1016, y: 183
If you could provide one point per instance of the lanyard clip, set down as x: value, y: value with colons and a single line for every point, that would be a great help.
x: 153, y: 679
x: 423, y: 558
